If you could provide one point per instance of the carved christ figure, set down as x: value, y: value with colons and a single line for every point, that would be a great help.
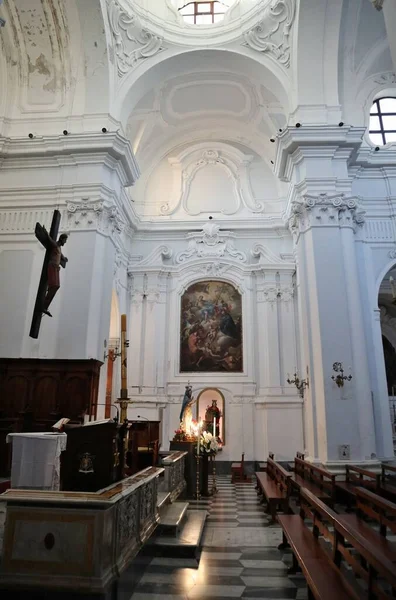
x: 56, y: 261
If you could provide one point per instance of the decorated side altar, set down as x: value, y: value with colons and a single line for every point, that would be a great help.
x: 76, y: 541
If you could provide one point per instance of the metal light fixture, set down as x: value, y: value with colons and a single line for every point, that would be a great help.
x: 115, y: 354
x: 340, y: 378
x: 300, y: 384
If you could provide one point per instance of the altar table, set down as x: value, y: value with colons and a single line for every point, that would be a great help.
x: 36, y: 459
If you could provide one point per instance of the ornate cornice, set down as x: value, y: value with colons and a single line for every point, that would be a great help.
x: 272, y: 292
x: 325, y: 210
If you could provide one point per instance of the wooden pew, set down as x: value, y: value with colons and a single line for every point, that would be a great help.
x: 274, y: 485
x: 356, y: 477
x: 324, y: 580
x: 321, y: 566
x: 388, y: 482
x: 317, y: 480
x: 383, y: 513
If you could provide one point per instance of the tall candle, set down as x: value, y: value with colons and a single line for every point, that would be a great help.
x: 214, y: 426
x: 198, y: 439
x: 123, y: 353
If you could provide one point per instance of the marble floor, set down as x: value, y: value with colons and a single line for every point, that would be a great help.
x: 239, y: 557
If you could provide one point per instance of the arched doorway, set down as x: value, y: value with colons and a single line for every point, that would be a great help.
x: 204, y: 401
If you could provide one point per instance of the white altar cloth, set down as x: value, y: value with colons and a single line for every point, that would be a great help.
x: 36, y: 460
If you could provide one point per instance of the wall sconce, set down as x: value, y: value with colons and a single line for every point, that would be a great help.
x: 393, y: 288
x: 114, y: 355
x: 300, y: 384
x: 340, y: 378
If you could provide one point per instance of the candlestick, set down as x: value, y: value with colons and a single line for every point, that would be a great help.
x: 197, y: 492
x: 124, y: 385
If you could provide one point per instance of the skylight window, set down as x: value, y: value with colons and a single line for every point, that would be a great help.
x: 203, y: 13
x: 382, y: 127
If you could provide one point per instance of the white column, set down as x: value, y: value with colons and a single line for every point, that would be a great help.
x: 323, y: 226
x: 135, y: 353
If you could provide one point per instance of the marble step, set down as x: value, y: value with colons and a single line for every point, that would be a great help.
x: 163, y: 499
x: 172, y: 518
x: 188, y: 540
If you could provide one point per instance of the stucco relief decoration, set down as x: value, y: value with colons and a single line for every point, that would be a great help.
x: 132, y: 41
x: 386, y: 78
x: 234, y: 166
x: 210, y: 243
x: 271, y: 34
x: 325, y: 209
x: 211, y: 328
x: 378, y: 4
x: 84, y: 214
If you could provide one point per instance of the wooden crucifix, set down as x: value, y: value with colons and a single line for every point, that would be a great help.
x: 49, y: 280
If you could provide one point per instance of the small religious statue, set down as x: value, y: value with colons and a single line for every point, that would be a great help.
x: 212, y: 419
x: 186, y: 412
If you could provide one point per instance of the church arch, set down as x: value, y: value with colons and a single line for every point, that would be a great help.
x: 139, y: 81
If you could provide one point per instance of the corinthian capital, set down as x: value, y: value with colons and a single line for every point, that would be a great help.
x: 325, y: 210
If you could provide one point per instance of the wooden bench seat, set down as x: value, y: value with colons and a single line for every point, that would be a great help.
x: 317, y: 480
x: 383, y: 546
x: 356, y: 477
x: 300, y: 482
x: 347, y: 540
x: 382, y: 513
x: 388, y: 482
x: 324, y: 580
x: 274, y: 485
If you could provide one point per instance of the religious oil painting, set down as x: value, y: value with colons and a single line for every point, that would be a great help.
x: 211, y: 328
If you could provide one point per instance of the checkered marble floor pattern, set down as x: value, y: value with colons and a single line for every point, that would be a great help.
x: 239, y: 557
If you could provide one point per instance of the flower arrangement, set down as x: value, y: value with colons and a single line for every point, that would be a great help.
x: 180, y: 436
x: 208, y: 443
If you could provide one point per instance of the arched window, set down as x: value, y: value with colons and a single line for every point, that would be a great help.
x: 382, y: 127
x: 203, y: 13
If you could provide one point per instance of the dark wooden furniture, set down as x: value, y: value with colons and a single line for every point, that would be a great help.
x: 388, y: 482
x: 317, y: 480
x: 374, y: 508
x: 356, y: 477
x: 143, y: 446
x: 94, y: 456
x: 238, y: 470
x: 322, y: 567
x: 35, y: 393
x: 274, y: 485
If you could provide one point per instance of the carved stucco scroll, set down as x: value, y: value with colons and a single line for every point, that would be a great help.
x: 271, y: 34
x: 132, y: 41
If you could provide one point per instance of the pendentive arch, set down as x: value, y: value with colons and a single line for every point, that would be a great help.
x: 139, y: 81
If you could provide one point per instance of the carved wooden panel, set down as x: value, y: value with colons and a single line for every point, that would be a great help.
x: 35, y: 392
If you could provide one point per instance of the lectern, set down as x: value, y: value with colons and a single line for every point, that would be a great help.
x: 94, y: 456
